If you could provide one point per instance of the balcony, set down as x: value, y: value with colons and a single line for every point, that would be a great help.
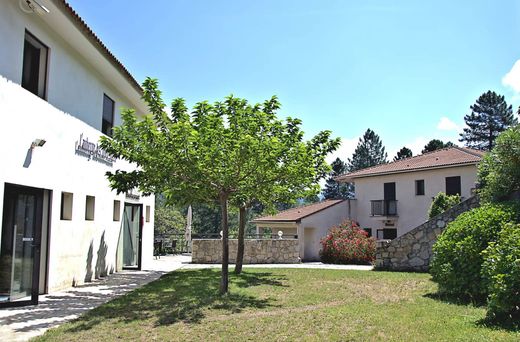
x: 383, y: 208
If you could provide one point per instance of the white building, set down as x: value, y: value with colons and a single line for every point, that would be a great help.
x: 390, y: 199
x: 60, y: 90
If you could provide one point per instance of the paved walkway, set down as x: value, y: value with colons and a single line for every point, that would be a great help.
x: 20, y: 324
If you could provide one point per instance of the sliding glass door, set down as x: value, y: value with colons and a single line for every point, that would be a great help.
x: 132, y: 224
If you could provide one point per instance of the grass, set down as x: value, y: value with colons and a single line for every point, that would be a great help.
x: 284, y: 304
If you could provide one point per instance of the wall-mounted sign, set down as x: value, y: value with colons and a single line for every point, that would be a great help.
x: 93, y: 151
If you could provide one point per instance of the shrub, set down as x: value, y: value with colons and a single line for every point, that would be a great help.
x: 457, y: 258
x: 499, y: 171
x: 501, y: 271
x: 441, y: 203
x: 348, y: 244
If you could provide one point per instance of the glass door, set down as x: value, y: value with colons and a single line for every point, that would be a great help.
x: 132, y: 223
x: 20, y: 246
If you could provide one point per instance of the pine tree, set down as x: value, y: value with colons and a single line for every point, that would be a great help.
x: 489, y: 116
x: 436, y: 144
x: 369, y: 152
x: 333, y: 189
x: 403, y: 153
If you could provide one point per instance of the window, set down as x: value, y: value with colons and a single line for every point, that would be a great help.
x: 90, y: 207
x: 369, y: 231
x: 108, y: 115
x: 453, y: 185
x: 66, y: 206
x: 386, y: 234
x: 419, y: 187
x: 148, y: 213
x: 117, y: 210
x: 34, y: 68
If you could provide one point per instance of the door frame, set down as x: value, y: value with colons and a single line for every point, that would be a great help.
x: 141, y: 222
x: 11, y: 190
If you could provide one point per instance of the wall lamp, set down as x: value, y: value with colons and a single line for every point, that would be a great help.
x: 38, y: 143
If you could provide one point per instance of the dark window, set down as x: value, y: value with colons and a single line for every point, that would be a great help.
x: 369, y: 231
x: 108, y: 115
x: 389, y: 191
x: 34, y: 69
x: 453, y: 185
x: 419, y: 187
x: 387, y: 233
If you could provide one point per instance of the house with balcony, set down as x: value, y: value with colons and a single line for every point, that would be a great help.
x: 61, y: 89
x: 390, y: 199
x: 393, y: 198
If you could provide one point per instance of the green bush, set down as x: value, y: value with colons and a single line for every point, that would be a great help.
x: 501, y: 271
x: 457, y: 254
x: 441, y: 203
x: 499, y: 171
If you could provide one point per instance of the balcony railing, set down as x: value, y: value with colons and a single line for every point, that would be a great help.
x: 384, y: 208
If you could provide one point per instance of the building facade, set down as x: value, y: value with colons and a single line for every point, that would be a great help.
x: 60, y: 90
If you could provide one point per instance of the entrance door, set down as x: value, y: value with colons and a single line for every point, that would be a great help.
x: 132, y: 231
x: 20, y: 245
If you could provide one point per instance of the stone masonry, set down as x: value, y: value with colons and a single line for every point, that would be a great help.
x: 413, y: 250
x: 261, y: 251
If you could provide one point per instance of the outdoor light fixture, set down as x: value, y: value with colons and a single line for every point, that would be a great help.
x: 280, y: 234
x: 38, y: 143
x: 32, y: 6
x: 221, y: 235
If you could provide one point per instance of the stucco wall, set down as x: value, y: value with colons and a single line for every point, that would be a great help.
x: 262, y: 251
x: 412, y: 209
x: 56, y: 167
x: 316, y: 226
x: 413, y: 250
x: 74, y: 83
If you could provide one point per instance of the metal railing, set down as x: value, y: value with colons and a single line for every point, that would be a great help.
x: 383, y: 208
x: 267, y: 236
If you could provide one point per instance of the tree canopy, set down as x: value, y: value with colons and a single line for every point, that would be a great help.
x: 333, y: 189
x: 489, y: 116
x: 369, y: 152
x: 436, y: 144
x: 403, y: 153
x: 222, y: 152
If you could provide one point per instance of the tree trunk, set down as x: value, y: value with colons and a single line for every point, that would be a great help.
x: 224, y: 281
x: 242, y: 216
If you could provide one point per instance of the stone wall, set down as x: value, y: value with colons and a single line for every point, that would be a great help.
x: 413, y: 250
x: 261, y: 251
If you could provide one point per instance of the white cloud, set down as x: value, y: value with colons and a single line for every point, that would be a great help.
x: 446, y: 124
x: 345, y: 150
x: 512, y: 78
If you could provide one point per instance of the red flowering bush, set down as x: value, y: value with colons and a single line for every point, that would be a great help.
x: 348, y: 244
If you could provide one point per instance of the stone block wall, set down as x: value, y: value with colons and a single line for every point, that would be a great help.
x: 261, y: 251
x: 413, y: 250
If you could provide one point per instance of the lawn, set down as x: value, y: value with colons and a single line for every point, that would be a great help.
x: 284, y: 304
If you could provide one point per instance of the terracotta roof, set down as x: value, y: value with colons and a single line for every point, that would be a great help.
x: 296, y: 214
x: 446, y: 157
x: 96, y: 42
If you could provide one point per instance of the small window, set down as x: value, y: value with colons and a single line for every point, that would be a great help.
x: 453, y: 185
x: 34, y: 68
x: 419, y: 187
x: 66, y: 206
x: 117, y: 210
x: 369, y: 231
x: 148, y: 209
x: 108, y: 115
x: 90, y: 207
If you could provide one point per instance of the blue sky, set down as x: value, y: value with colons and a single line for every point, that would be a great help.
x: 407, y: 69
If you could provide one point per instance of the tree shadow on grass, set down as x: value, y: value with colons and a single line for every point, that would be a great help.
x: 455, y: 299
x: 183, y: 296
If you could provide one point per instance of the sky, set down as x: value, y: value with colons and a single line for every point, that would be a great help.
x: 409, y: 70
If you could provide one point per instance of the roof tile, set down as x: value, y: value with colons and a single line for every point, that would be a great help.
x: 296, y: 214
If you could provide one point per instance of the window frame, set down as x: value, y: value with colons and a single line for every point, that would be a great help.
x: 108, y: 132
x: 34, y: 41
x: 417, y: 187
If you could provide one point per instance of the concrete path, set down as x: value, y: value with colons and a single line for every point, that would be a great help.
x: 21, y: 324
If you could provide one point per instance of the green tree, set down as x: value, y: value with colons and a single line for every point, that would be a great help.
x: 499, y: 171
x: 333, y: 189
x: 168, y: 219
x: 436, y: 144
x: 403, y: 153
x: 489, y: 116
x: 369, y: 152
x: 442, y: 202
x: 213, y: 155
